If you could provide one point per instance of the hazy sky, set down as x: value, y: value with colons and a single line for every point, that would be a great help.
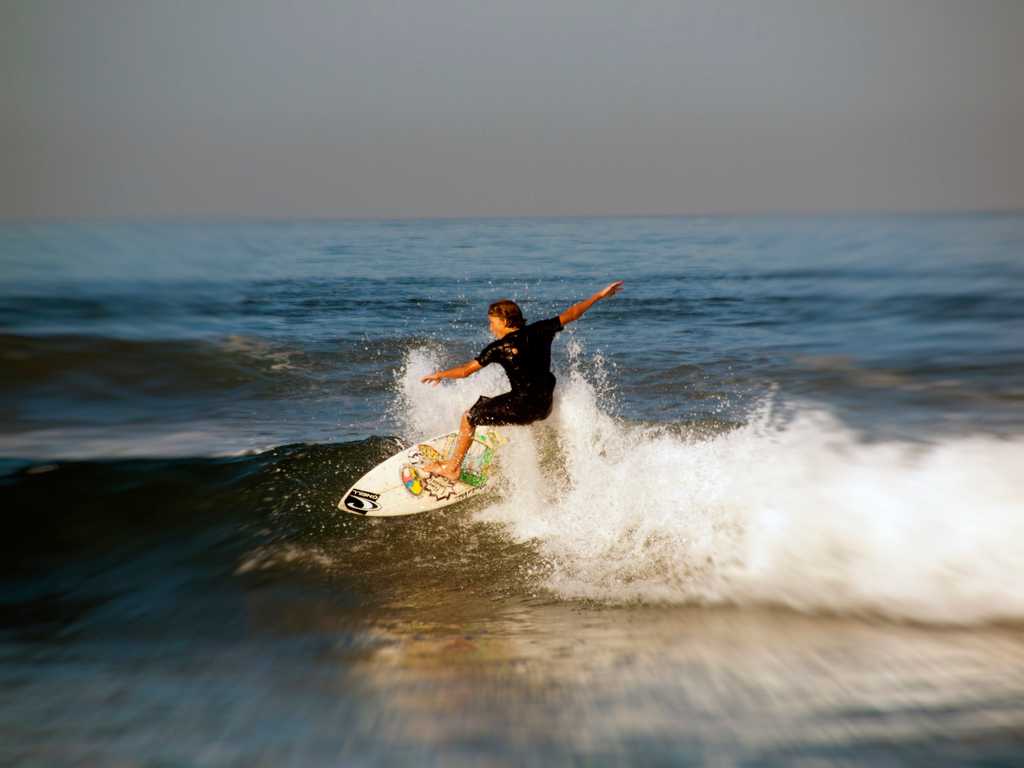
x: 520, y: 107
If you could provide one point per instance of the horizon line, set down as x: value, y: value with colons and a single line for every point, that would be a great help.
x: 739, y: 214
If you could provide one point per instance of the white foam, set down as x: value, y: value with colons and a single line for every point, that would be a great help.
x: 96, y: 443
x: 801, y: 511
x: 426, y: 410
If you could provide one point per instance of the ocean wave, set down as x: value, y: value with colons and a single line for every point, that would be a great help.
x: 789, y: 507
x: 792, y: 508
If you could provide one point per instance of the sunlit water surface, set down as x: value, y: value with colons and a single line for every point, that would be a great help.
x: 775, y: 517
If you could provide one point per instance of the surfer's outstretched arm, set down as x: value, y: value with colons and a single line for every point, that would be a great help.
x: 575, y: 312
x: 459, y: 372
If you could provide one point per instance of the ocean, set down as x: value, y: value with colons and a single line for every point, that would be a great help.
x: 775, y: 518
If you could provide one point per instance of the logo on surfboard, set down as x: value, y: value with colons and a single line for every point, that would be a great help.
x: 362, y: 501
x: 411, y: 480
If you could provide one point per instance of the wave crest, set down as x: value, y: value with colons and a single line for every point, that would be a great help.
x: 797, y: 510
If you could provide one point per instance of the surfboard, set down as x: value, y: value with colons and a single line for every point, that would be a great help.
x: 399, y: 486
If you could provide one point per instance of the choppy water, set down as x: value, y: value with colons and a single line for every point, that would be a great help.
x: 776, y: 515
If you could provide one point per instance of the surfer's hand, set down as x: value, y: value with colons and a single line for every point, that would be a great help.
x: 433, y: 378
x: 611, y: 290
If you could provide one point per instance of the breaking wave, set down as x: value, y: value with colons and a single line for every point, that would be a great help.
x: 792, y: 508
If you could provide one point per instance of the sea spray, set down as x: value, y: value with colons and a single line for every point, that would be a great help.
x: 801, y: 510
x: 426, y: 410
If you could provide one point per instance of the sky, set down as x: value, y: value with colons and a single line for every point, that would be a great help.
x: 464, y: 108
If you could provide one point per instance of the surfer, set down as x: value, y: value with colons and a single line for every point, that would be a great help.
x: 524, y: 351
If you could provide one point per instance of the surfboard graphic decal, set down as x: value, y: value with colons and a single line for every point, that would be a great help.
x: 411, y: 480
x: 362, y: 501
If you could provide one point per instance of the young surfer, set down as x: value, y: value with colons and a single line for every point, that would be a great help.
x: 524, y: 351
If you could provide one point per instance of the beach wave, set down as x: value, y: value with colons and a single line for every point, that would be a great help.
x: 791, y: 508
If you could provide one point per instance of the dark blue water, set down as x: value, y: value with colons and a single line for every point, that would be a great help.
x: 827, y: 412
x: 268, y: 333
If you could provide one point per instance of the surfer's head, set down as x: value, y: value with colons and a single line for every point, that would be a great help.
x: 505, y: 317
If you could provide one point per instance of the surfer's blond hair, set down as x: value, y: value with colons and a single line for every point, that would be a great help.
x: 508, y: 311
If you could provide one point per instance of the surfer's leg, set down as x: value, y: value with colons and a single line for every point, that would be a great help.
x: 490, y: 411
x: 466, y: 430
x: 452, y: 468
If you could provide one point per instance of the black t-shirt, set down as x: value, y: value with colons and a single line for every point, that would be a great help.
x: 525, y: 355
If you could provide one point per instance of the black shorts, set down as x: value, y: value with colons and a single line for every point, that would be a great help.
x: 510, y: 409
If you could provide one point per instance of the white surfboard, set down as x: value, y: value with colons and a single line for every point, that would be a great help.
x: 399, y: 486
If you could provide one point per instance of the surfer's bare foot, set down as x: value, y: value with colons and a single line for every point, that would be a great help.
x: 444, y: 469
